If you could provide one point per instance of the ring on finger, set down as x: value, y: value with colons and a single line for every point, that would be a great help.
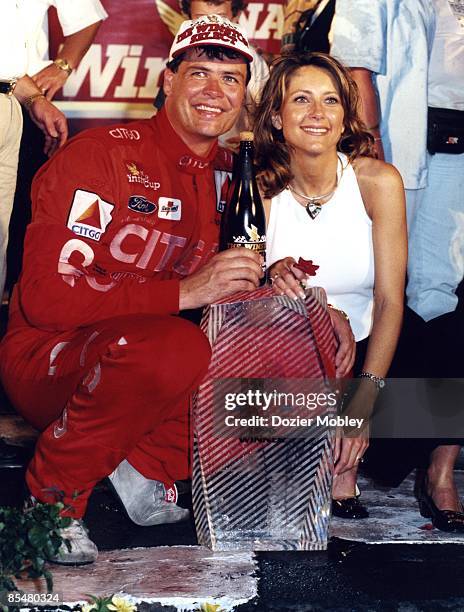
x: 274, y: 278
x: 359, y: 459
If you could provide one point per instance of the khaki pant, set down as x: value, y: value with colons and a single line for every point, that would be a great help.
x: 11, y: 124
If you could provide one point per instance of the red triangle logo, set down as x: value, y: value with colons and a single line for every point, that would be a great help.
x: 91, y: 216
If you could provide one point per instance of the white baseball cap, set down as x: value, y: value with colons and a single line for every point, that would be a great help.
x: 210, y: 30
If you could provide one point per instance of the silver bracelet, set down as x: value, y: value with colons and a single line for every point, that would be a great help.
x: 379, y: 382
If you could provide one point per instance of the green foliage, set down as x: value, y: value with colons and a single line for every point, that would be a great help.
x: 100, y: 604
x: 27, y: 538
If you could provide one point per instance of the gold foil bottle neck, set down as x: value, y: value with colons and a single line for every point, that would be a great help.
x: 248, y: 136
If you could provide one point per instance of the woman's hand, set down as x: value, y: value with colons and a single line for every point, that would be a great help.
x: 346, y: 351
x: 286, y: 279
x: 348, y: 452
x: 351, y: 442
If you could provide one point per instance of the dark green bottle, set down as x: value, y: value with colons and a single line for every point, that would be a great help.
x: 244, y: 221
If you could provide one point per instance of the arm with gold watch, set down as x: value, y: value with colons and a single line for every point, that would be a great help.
x: 43, y: 113
x: 53, y: 77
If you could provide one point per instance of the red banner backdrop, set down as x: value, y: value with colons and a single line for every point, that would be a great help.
x: 119, y: 76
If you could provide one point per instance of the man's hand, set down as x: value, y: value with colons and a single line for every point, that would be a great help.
x: 346, y: 351
x: 226, y: 273
x: 50, y: 79
x: 51, y: 121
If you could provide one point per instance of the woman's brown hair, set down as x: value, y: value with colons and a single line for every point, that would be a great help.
x: 272, y: 152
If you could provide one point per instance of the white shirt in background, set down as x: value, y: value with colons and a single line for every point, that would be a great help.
x: 73, y: 15
x: 13, y: 52
x: 393, y: 39
x: 446, y: 68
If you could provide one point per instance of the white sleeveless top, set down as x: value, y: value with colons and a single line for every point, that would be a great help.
x: 338, y: 240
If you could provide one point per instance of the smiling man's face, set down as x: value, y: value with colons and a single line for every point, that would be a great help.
x: 204, y: 98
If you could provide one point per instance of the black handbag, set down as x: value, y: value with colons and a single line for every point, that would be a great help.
x: 313, y: 27
x: 445, y: 131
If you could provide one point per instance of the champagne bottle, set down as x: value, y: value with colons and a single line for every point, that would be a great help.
x: 244, y: 221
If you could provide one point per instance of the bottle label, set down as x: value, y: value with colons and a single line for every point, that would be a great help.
x: 253, y: 236
x: 248, y: 244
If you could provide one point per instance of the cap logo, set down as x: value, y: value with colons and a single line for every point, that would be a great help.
x: 212, y: 31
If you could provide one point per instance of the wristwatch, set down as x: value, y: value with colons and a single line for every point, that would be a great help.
x: 63, y: 64
x: 379, y: 382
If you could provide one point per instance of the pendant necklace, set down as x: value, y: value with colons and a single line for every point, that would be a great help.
x: 314, y: 205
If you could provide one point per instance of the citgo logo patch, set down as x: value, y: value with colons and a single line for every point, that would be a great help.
x: 89, y: 215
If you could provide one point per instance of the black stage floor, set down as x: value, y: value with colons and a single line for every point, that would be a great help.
x: 349, y: 576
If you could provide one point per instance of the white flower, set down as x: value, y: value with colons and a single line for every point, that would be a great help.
x: 88, y: 607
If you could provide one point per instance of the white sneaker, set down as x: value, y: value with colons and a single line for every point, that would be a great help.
x: 147, y: 502
x: 83, y: 550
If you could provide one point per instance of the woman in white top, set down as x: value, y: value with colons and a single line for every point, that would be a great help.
x: 328, y: 200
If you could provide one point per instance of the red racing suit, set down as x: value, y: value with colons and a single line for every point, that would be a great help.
x: 93, y: 356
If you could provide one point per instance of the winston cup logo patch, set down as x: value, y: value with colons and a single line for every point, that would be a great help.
x: 90, y: 215
x: 136, y: 174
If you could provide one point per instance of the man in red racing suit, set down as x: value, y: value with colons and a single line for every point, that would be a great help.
x: 124, y: 235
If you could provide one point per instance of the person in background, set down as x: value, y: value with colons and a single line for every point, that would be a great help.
x: 17, y: 87
x: 306, y: 25
x: 80, y: 22
x: 410, y: 62
x: 330, y: 201
x: 124, y: 235
x: 229, y: 9
x: 293, y: 9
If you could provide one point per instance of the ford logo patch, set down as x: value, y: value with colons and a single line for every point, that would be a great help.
x: 141, y: 205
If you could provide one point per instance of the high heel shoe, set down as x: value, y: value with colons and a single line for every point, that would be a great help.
x: 349, y: 507
x: 444, y: 520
